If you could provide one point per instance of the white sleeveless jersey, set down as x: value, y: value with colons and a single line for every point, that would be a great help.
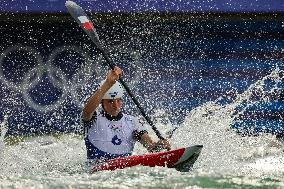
x: 114, y: 137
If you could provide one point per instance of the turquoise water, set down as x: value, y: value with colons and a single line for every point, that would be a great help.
x: 47, y: 162
x: 227, y: 160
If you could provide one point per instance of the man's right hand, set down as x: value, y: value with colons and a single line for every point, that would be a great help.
x: 113, y: 75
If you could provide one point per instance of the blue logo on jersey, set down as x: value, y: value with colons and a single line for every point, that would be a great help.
x: 116, y: 141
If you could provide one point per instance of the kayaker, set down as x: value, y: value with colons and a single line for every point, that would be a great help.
x: 109, y: 133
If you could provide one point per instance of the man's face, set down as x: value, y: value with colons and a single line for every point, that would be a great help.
x: 112, y: 106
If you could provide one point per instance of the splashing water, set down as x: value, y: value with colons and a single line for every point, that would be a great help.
x: 225, y: 150
x: 227, y: 159
x: 3, y: 131
x: 259, y: 87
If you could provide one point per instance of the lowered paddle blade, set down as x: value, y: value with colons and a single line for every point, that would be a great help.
x: 188, y: 158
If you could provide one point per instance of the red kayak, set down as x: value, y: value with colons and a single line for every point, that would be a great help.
x: 182, y: 159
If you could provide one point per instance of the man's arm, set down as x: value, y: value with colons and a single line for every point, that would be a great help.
x: 94, y: 101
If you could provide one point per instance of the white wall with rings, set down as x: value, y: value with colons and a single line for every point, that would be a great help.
x: 69, y: 87
x: 56, y: 76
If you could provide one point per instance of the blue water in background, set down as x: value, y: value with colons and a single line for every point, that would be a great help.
x: 49, y: 67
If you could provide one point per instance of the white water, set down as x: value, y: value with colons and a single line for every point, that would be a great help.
x: 48, y: 162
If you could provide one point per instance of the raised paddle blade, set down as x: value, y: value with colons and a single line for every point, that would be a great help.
x: 84, y: 21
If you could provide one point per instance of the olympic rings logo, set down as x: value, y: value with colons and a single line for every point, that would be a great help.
x: 68, y: 86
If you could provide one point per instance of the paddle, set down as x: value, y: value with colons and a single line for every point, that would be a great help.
x: 83, y: 20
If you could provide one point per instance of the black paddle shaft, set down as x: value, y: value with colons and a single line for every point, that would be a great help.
x: 83, y: 20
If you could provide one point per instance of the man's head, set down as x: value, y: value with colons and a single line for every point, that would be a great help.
x: 112, y: 101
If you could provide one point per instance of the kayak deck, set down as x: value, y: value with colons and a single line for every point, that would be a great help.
x: 182, y: 159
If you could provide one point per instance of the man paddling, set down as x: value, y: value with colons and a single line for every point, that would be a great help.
x: 109, y: 132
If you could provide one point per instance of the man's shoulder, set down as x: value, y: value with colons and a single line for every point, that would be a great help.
x: 129, y: 117
x: 135, y: 119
